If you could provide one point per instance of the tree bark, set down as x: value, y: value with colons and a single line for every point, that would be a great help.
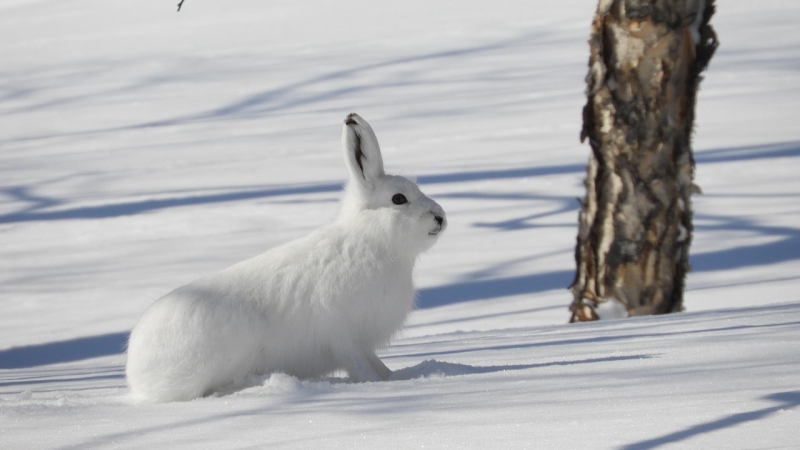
x: 635, y: 223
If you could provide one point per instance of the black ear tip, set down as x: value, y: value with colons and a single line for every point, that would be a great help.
x: 351, y: 119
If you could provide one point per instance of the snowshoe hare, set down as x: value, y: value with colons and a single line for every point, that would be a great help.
x: 306, y: 308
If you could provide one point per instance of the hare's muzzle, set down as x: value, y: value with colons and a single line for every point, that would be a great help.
x: 441, y: 224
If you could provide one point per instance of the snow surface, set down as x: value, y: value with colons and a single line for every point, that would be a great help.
x: 141, y: 148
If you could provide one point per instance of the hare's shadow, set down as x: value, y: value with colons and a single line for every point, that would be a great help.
x: 433, y: 368
x: 430, y: 368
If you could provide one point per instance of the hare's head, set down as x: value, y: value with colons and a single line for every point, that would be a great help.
x: 411, y: 216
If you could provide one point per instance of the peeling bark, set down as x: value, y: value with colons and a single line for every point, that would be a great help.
x: 635, y: 223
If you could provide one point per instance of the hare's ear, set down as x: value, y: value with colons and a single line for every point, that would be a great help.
x: 361, y: 151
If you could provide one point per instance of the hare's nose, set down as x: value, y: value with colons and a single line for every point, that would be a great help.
x: 439, y: 219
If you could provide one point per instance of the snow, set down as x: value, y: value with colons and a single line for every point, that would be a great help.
x: 141, y: 148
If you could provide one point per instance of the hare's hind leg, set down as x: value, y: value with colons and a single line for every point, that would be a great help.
x: 363, y: 367
x: 378, y: 366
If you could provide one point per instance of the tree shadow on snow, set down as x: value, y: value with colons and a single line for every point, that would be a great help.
x: 785, y: 400
x: 785, y: 248
x: 82, y: 375
x: 314, y: 90
x: 35, y: 213
x: 790, y: 149
x: 37, y: 209
x: 610, y: 338
x: 465, y: 291
x: 63, y: 351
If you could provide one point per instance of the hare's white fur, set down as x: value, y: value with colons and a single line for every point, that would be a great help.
x: 309, y: 307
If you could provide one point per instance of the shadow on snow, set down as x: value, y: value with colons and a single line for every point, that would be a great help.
x: 785, y: 400
x: 35, y: 213
x: 497, y: 287
x: 63, y: 351
x: 786, y: 248
x: 114, y: 343
x: 431, y: 367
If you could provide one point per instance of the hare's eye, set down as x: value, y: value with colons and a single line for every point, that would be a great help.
x: 399, y: 199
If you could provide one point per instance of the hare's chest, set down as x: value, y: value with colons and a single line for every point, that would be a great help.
x: 385, y: 308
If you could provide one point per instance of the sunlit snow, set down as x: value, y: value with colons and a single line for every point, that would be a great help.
x: 141, y: 148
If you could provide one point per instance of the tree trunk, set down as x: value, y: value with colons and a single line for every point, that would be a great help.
x: 635, y: 224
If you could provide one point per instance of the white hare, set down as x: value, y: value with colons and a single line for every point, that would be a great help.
x: 306, y: 308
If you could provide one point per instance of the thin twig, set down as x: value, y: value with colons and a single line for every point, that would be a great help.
x: 179, y: 5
